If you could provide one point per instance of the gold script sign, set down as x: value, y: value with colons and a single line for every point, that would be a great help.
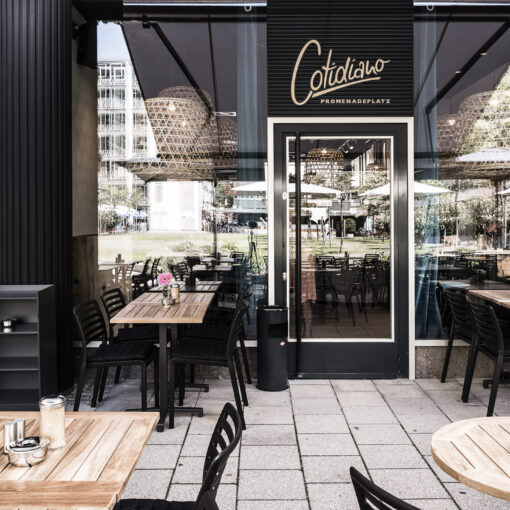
x: 331, y: 77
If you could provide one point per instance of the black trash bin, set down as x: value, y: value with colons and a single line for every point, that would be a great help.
x: 272, y: 337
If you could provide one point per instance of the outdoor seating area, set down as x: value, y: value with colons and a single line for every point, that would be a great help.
x: 255, y: 255
x: 300, y: 444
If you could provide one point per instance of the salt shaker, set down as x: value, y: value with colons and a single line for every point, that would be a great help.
x: 53, y: 420
x: 175, y: 292
x: 9, y: 434
x: 19, y: 429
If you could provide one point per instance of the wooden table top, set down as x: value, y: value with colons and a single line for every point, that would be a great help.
x: 477, y: 453
x: 90, y: 472
x: 497, y: 296
x: 147, y: 309
x: 468, y: 285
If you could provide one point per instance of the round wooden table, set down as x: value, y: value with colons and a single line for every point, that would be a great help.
x: 476, y: 452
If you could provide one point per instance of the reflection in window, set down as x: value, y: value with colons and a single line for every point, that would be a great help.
x: 463, y: 148
x: 173, y: 187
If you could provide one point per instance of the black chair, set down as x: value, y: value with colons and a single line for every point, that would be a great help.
x: 113, y: 301
x: 461, y: 325
x: 217, y: 323
x: 140, y: 280
x: 192, y: 261
x: 154, y: 271
x: 199, y: 351
x: 92, y: 327
x: 348, y: 284
x: 492, y: 337
x: 372, y: 497
x: 225, y: 438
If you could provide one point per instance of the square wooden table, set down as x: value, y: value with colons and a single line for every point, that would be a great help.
x: 147, y: 309
x: 90, y: 472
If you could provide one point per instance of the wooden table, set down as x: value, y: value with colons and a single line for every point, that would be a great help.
x: 476, y: 452
x: 90, y: 472
x: 468, y: 285
x: 498, y: 297
x: 147, y: 309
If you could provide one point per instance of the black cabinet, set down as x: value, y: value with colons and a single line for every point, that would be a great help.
x: 28, y: 351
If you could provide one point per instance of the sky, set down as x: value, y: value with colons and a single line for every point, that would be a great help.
x: 110, y: 42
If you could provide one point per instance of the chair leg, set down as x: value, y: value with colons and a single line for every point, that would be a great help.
x: 350, y: 307
x: 240, y: 377
x: 97, y: 382
x: 233, y: 380
x: 181, y: 370
x: 244, y: 353
x: 104, y: 378
x: 470, y: 369
x: 79, y: 389
x: 143, y: 368
x: 171, y: 394
x: 117, y: 375
x: 447, y: 355
x: 156, y: 382
x: 495, y: 383
x: 192, y: 374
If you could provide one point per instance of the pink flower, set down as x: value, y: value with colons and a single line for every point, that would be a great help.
x: 164, y: 279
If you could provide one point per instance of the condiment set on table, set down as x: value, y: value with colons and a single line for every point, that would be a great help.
x: 28, y: 451
x: 171, y: 292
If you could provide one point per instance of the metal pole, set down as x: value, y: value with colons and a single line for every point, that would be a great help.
x: 297, y: 275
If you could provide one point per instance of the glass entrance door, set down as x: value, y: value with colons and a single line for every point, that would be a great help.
x: 344, y: 189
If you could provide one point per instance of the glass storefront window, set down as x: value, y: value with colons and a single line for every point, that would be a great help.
x: 183, y: 176
x: 462, y: 163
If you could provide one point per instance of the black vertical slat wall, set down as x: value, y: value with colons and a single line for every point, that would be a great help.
x: 35, y: 154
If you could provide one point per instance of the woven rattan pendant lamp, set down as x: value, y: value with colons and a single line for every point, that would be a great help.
x: 322, y: 166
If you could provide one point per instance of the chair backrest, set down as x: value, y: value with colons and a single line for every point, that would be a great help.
x: 90, y: 322
x: 128, y: 271
x: 113, y: 301
x: 487, y: 325
x: 372, y: 497
x: 237, y: 325
x: 346, y: 282
x: 461, y: 312
x: 154, y: 268
x: 225, y: 438
x: 146, y: 267
x: 192, y: 260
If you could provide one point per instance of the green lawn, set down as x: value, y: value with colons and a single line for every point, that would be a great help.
x: 176, y: 245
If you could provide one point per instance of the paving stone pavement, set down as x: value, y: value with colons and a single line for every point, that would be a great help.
x: 300, y: 443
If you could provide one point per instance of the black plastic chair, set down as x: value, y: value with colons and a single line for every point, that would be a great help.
x: 113, y: 301
x: 493, y: 339
x: 225, y: 438
x: 216, y: 326
x: 154, y: 271
x: 461, y: 325
x: 140, y: 280
x: 348, y: 284
x: 372, y: 497
x: 202, y: 351
x: 92, y: 327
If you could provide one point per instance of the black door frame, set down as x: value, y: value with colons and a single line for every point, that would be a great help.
x: 348, y: 359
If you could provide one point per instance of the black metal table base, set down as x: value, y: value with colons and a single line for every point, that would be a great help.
x: 160, y: 427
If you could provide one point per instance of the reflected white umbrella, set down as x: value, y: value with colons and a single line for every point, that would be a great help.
x: 420, y: 188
